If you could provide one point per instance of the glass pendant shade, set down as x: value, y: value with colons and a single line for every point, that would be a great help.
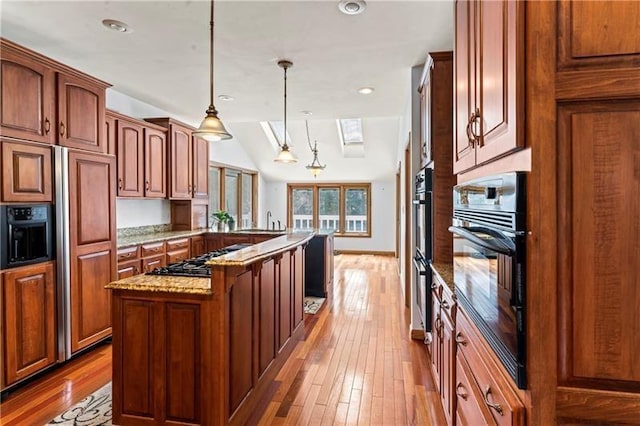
x: 285, y: 156
x: 211, y: 129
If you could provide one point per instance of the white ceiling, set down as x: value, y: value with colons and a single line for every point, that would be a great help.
x: 164, y: 62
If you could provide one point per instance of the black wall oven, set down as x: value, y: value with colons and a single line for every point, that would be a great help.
x: 424, y: 247
x: 488, y: 229
x: 26, y: 234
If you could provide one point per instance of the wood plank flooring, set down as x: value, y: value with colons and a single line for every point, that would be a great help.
x: 356, y: 365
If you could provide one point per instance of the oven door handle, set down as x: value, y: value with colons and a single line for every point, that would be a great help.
x: 482, y: 242
x: 422, y: 271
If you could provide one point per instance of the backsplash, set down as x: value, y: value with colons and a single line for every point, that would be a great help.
x: 143, y: 230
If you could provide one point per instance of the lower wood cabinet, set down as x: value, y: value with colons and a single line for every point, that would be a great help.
x: 29, y: 318
x: 197, y: 245
x: 178, y: 250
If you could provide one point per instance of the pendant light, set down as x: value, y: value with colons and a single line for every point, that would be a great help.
x: 285, y: 156
x: 211, y: 128
x: 315, y: 167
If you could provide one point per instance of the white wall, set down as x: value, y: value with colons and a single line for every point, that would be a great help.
x: 143, y: 212
x: 383, y: 225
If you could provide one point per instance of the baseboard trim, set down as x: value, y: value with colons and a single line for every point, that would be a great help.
x: 370, y: 252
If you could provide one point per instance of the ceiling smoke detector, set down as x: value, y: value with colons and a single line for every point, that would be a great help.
x: 352, y: 7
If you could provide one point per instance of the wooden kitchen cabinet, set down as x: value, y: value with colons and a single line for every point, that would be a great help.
x: 489, y: 88
x: 155, y: 163
x: 45, y: 101
x: 130, y: 153
x: 128, y: 262
x: 26, y: 172
x: 197, y: 245
x: 153, y: 256
x: 110, y: 131
x: 178, y: 250
x: 33, y: 84
x: 29, y: 318
x: 92, y: 250
x: 200, y: 168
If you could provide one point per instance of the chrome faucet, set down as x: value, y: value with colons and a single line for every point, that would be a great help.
x: 279, y: 224
x: 268, y: 217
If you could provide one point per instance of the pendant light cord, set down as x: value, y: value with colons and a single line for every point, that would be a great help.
x: 313, y: 149
x: 211, y: 59
x: 284, y: 136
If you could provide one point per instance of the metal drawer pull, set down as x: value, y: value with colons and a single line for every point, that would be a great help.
x: 461, y: 391
x: 444, y: 304
x: 496, y: 407
x: 460, y: 339
x: 434, y: 286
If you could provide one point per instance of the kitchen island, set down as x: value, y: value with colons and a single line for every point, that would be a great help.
x: 191, y: 350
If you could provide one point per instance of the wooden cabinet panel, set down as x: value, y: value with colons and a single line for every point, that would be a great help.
x: 197, y: 245
x: 130, y: 152
x: 447, y: 371
x: 177, y: 244
x: 92, y: 245
x: 213, y: 242
x: 599, y: 187
x: 175, y: 256
x: 470, y: 410
x: 267, y: 324
x: 28, y: 315
x: 436, y: 352
x: 285, y: 300
x: 489, y: 87
x: 241, y: 347
x: 81, y: 114
x: 182, y: 335
x: 128, y: 253
x: 90, y: 301
x: 33, y: 84
x: 128, y: 268
x: 155, y: 163
x: 200, y: 168
x: 298, y: 260
x: 110, y: 131
x: 26, y: 173
x: 152, y: 262
x: 152, y: 249
x: 180, y: 162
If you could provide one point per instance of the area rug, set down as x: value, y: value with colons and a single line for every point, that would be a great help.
x: 312, y: 304
x: 94, y: 410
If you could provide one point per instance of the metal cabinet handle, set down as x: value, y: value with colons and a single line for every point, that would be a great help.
x: 470, y: 135
x: 119, y: 183
x: 127, y: 254
x: 62, y: 128
x: 47, y: 126
x: 434, y: 286
x: 146, y: 185
x: 460, y: 339
x: 497, y: 407
x: 461, y: 391
x: 444, y: 304
x: 475, y: 116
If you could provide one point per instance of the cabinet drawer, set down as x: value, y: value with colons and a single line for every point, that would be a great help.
x: 470, y: 408
x: 177, y: 255
x: 177, y: 244
x: 129, y: 268
x: 128, y: 253
x: 152, y: 262
x: 152, y: 249
x: 495, y: 392
x: 449, y: 303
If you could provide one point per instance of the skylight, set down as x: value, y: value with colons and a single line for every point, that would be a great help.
x: 277, y: 128
x: 350, y: 130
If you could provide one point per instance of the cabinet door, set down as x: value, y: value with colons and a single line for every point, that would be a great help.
x: 465, y: 85
x: 500, y: 81
x: 110, y: 131
x: 29, y: 319
x: 200, y: 168
x: 470, y: 408
x: 27, y: 98
x: 180, y: 157
x: 92, y: 239
x: 155, y: 163
x: 197, y: 246
x: 153, y: 262
x: 447, y: 370
x: 81, y: 114
x: 26, y: 173
x: 130, y: 149
x: 436, y: 353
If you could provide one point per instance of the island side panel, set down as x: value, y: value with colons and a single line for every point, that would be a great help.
x: 241, y: 347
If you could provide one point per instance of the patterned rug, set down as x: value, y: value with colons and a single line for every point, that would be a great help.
x: 312, y: 304
x: 94, y: 410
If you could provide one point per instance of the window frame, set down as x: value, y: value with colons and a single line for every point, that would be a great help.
x: 223, y: 170
x: 342, y: 187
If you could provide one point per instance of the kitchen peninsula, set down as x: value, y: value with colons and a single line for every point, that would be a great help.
x: 190, y: 350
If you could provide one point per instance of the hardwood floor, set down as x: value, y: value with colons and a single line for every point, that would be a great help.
x: 356, y: 365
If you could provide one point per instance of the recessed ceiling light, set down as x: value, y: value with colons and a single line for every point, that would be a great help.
x: 306, y: 112
x: 114, y: 25
x: 365, y: 90
x: 352, y: 7
x: 225, y: 98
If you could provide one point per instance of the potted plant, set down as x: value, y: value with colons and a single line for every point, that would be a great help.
x: 221, y: 218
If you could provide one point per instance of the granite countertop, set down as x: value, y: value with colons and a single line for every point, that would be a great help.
x: 167, y: 284
x: 155, y: 237
x: 445, y: 272
x: 262, y: 250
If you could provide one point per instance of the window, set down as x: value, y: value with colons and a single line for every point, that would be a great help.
x: 234, y: 189
x: 350, y: 130
x: 343, y: 208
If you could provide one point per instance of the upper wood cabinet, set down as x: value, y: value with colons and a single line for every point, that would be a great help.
x: 26, y: 172
x: 130, y: 152
x: 200, y: 168
x: 45, y: 101
x: 28, y: 88
x: 489, y: 83
x: 155, y: 163
x: 110, y: 132
x: 29, y: 318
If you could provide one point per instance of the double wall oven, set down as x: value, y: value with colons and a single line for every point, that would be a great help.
x: 488, y: 228
x: 424, y: 246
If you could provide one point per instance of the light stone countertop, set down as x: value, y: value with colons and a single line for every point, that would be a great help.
x: 164, y: 283
x: 155, y: 237
x: 445, y: 272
